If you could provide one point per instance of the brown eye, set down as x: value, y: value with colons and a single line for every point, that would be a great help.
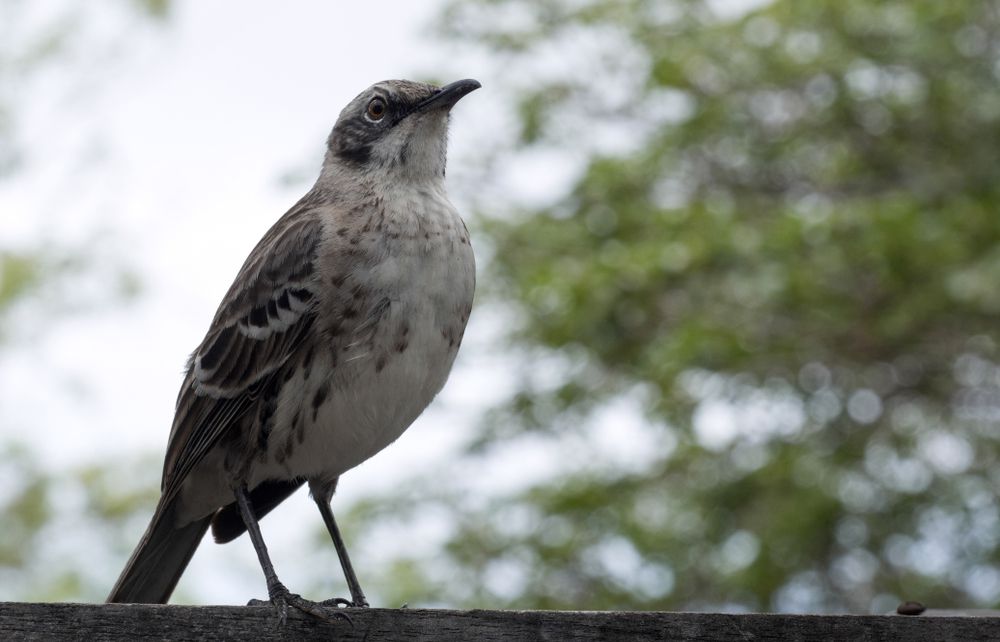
x: 376, y: 109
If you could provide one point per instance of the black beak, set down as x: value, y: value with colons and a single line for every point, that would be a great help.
x: 447, y: 96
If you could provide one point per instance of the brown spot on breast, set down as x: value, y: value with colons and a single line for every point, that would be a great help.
x: 380, y: 363
x: 307, y: 363
x: 286, y: 448
x: 451, y: 335
x: 342, y: 231
x: 319, y: 398
x: 300, y: 429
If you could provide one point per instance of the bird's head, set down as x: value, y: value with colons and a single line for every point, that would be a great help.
x: 396, y: 127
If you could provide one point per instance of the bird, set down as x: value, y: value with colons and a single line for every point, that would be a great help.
x: 340, y: 328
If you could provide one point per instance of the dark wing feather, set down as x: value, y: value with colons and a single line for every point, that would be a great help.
x: 264, y: 317
x: 227, y: 523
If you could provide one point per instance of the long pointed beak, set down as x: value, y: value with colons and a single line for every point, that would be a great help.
x: 447, y: 96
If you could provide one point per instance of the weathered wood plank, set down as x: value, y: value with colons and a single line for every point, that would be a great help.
x: 97, y: 622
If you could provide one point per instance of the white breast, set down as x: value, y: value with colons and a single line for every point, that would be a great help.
x: 376, y: 390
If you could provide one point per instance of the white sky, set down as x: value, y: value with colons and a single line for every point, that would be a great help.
x: 196, y: 132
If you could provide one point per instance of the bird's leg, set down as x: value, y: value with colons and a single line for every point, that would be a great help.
x: 357, y: 595
x: 280, y: 596
x: 322, y: 495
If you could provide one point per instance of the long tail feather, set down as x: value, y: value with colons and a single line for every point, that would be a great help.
x: 159, y: 560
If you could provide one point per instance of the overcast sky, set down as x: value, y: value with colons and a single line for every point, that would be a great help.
x: 192, y: 136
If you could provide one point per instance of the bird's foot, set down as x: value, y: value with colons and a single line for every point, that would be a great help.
x: 282, y: 598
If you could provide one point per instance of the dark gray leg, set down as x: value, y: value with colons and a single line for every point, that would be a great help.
x: 322, y: 493
x: 279, y: 595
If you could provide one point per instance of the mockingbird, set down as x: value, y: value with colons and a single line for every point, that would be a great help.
x: 338, y: 331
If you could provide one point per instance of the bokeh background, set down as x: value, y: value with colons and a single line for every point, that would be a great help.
x: 736, y: 340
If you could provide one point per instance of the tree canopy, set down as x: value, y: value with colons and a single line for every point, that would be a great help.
x: 784, y: 242
x: 757, y: 320
x: 59, y: 528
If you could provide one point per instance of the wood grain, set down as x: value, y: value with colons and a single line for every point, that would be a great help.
x: 96, y: 622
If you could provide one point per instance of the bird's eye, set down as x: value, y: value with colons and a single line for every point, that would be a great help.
x: 376, y: 109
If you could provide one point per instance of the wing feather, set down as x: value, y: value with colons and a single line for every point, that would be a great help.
x: 263, y: 319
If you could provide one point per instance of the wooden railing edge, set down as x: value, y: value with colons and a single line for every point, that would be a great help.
x: 95, y: 622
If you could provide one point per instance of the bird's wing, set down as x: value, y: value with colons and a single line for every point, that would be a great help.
x: 264, y: 317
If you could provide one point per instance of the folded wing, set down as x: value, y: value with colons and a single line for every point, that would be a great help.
x: 264, y: 318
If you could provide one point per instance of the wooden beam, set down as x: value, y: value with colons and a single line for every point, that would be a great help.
x: 94, y: 622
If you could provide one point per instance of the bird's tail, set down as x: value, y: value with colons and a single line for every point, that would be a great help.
x: 158, y: 561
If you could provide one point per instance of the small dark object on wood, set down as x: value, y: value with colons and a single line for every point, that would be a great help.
x: 910, y: 608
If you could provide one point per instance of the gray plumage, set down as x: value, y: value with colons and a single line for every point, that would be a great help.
x: 340, y: 328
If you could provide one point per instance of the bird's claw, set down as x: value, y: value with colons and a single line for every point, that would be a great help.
x: 316, y: 610
x: 282, y: 598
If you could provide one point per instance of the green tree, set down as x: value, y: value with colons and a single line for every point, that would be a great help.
x: 783, y: 248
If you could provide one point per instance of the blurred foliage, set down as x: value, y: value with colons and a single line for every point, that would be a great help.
x: 35, y: 46
x: 784, y: 242
x: 19, y: 276
x: 60, y: 532
x: 779, y: 251
x: 64, y: 531
x: 37, y: 40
